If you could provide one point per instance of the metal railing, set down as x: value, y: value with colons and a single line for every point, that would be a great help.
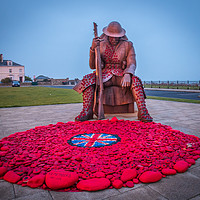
x: 189, y: 85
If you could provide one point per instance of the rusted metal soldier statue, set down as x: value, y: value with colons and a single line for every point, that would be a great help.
x: 118, y: 68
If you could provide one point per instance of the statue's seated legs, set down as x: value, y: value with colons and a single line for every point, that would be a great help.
x: 139, y: 95
x: 88, y: 101
x: 137, y: 91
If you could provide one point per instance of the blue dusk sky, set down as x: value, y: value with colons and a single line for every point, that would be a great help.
x: 53, y: 37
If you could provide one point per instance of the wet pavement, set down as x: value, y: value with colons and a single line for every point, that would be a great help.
x: 181, y: 116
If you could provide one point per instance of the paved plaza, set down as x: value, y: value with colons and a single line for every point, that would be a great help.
x: 181, y: 116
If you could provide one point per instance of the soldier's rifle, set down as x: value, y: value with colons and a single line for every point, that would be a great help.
x: 99, y: 80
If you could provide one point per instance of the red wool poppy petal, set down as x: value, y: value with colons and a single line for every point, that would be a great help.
x: 150, y: 177
x: 96, y: 149
x: 114, y: 119
x: 109, y: 176
x: 181, y: 166
x: 36, y: 181
x: 94, y: 184
x: 196, y: 152
x: 5, y: 148
x: 99, y: 175
x: 19, y: 182
x: 130, y: 184
x: 168, y: 171
x: 11, y: 177
x: 196, y: 157
x: 2, y: 153
x: 190, y: 161
x: 117, y: 184
x: 128, y: 174
x: 67, y: 156
x: 59, y: 179
x: 36, y: 171
x: 136, y: 181
x: 3, y: 170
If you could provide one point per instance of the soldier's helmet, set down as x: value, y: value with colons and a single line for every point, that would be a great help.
x: 114, y: 29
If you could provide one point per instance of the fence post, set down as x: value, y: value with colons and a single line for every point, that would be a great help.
x: 199, y: 85
x: 188, y: 85
x: 177, y: 84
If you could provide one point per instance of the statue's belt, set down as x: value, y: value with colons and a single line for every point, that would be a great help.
x: 113, y: 65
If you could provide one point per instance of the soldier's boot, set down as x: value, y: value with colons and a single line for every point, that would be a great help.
x: 138, y: 93
x: 88, y: 101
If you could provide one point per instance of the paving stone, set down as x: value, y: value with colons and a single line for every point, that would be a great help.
x: 126, y: 189
x: 164, y: 112
x: 84, y: 195
x: 63, y: 195
x: 31, y: 116
x: 44, y: 195
x: 141, y: 193
x: 195, y: 198
x: 6, y: 191
x: 195, y: 171
x: 24, y: 191
x: 197, y: 164
x: 178, y: 187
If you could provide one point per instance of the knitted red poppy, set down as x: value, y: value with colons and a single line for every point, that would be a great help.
x: 36, y: 181
x: 93, y: 184
x: 114, y: 150
x: 59, y: 179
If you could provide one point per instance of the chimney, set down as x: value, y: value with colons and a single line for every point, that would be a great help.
x: 1, y: 57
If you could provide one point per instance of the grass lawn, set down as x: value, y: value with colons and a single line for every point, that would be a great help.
x: 172, y: 87
x: 174, y: 99
x: 33, y: 96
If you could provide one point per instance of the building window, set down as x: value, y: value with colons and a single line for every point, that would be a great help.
x: 10, y: 70
x: 9, y: 63
x: 20, y: 70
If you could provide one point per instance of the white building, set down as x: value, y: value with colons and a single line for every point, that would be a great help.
x: 11, y: 70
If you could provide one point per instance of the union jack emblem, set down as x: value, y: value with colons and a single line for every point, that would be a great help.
x: 94, y: 140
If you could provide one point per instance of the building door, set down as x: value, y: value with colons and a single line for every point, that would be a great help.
x: 20, y: 79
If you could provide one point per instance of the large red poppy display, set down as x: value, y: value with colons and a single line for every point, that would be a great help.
x: 95, y: 155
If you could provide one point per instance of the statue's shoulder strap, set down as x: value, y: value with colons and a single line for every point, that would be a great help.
x: 128, y: 45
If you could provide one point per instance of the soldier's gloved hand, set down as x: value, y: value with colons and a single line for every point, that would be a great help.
x: 95, y: 43
x: 126, y: 80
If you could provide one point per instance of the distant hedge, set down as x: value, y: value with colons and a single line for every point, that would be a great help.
x: 6, y: 80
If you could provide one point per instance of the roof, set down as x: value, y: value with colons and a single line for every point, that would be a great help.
x: 4, y: 63
x: 42, y: 77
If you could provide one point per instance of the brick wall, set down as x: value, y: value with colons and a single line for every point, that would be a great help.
x: 58, y: 81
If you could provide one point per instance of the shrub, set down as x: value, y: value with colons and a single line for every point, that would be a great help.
x: 6, y: 80
x: 27, y: 78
